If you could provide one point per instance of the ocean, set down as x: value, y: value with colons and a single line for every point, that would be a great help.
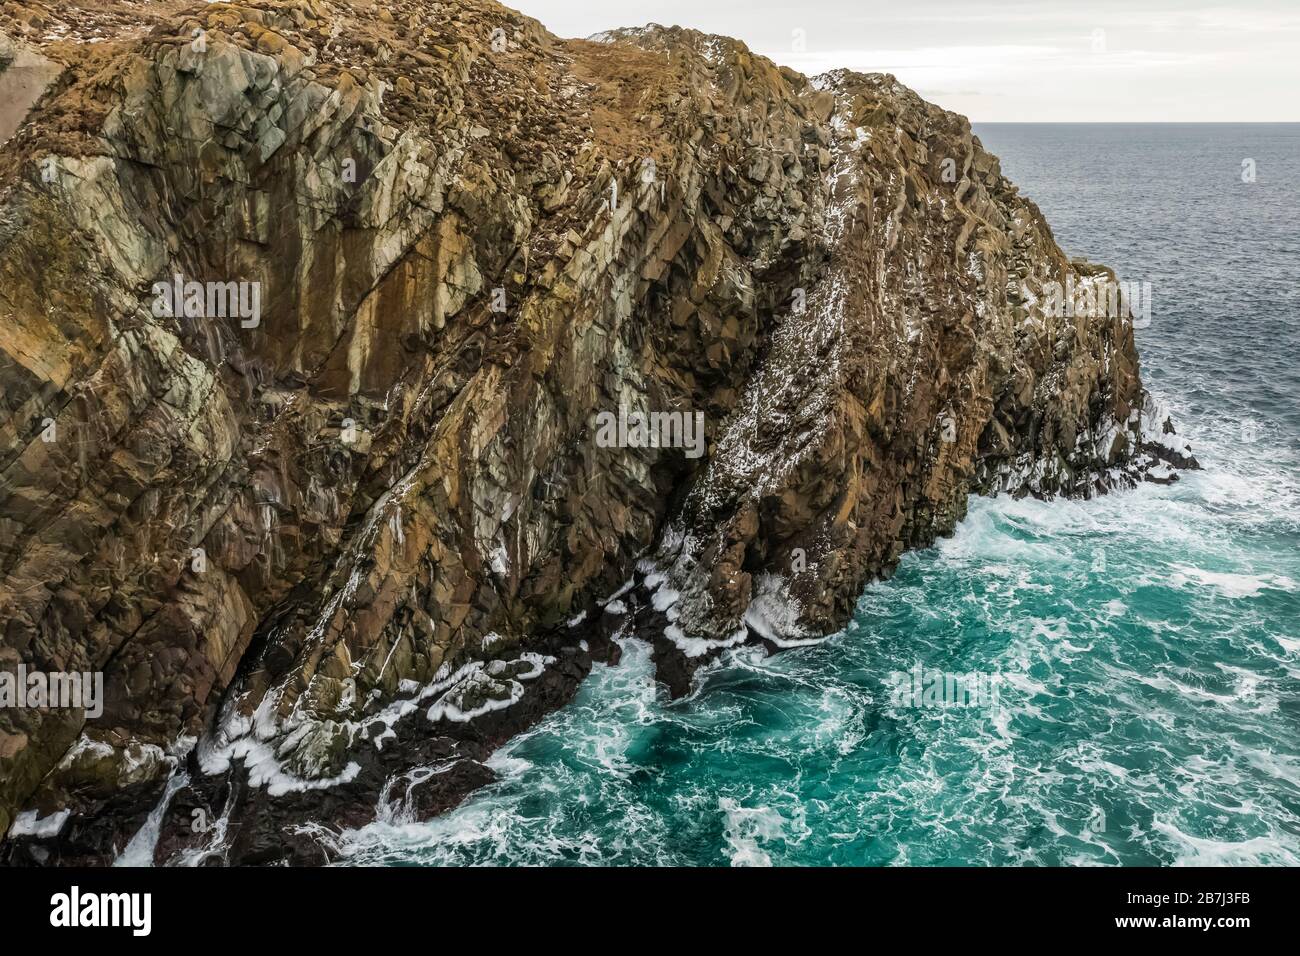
x: 1146, y: 644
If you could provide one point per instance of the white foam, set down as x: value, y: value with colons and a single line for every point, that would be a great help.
x: 697, y: 647
x: 1228, y: 584
x: 664, y: 598
x: 32, y: 824
x: 140, y: 850
x: 490, y: 675
x: 746, y: 828
x: 775, y: 615
x: 1198, y: 851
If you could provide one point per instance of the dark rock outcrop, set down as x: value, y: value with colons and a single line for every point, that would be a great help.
x: 354, y: 520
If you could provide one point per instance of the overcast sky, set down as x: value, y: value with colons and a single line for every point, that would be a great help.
x: 1012, y: 60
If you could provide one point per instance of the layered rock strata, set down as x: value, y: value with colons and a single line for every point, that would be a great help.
x: 309, y: 313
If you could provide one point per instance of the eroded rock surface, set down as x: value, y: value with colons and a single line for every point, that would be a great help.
x: 329, y: 555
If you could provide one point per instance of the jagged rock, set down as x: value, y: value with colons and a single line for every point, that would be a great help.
x: 361, y: 522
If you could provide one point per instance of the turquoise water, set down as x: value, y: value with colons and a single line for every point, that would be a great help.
x: 1147, y: 643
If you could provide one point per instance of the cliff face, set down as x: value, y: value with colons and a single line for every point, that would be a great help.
x: 367, y: 513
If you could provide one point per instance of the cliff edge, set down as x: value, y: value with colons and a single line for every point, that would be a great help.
x: 365, y: 369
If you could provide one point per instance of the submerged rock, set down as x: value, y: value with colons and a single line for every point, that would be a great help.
x: 363, y: 376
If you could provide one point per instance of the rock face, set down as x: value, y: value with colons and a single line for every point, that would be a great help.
x: 357, y: 509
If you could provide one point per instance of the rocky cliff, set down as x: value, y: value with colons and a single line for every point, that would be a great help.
x: 352, y: 357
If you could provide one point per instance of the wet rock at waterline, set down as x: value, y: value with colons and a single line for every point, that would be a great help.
x: 353, y: 373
